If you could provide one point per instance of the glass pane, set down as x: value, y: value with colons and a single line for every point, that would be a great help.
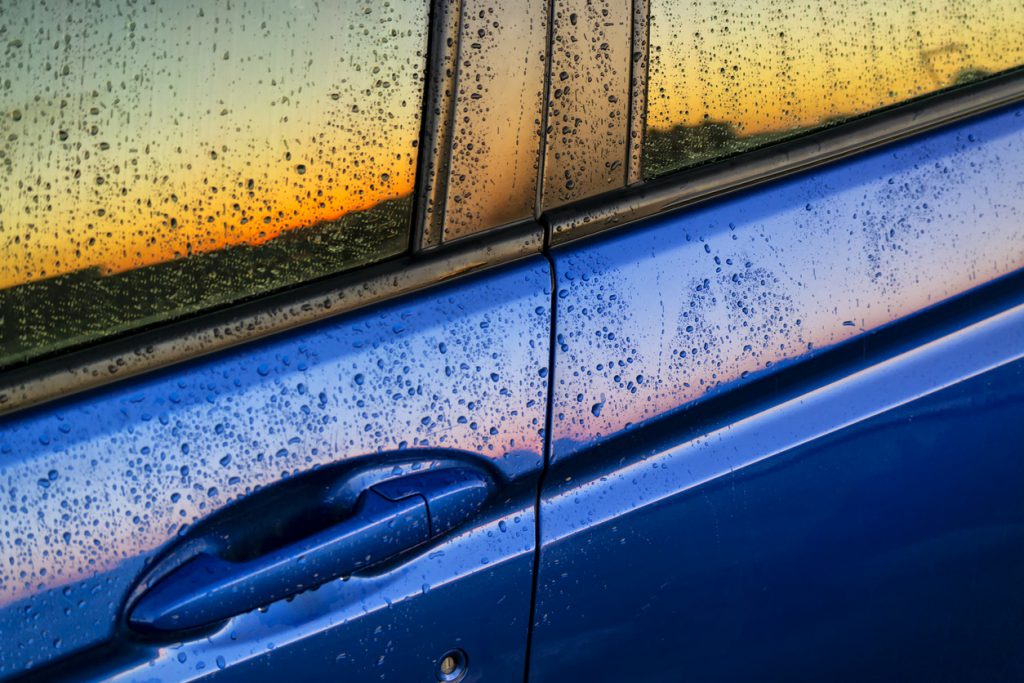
x: 161, y: 158
x: 730, y: 76
x: 493, y: 167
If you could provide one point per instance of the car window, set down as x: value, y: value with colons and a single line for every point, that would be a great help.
x: 157, y: 159
x: 727, y: 77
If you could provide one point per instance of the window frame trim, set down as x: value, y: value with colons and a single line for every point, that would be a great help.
x: 141, y: 350
x: 640, y: 60
x: 138, y: 351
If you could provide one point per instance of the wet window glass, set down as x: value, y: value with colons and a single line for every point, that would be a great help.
x: 727, y: 76
x: 159, y: 158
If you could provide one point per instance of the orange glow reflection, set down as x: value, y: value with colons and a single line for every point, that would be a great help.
x: 135, y: 135
x: 787, y: 64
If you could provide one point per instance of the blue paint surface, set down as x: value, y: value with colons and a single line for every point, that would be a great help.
x: 662, y: 314
x: 875, y: 509
x: 845, y: 535
x: 95, y: 486
x: 743, y: 485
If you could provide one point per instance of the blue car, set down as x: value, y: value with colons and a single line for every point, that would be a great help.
x: 545, y: 340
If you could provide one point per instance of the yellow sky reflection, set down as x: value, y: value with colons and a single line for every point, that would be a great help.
x: 137, y: 134
x: 782, y: 64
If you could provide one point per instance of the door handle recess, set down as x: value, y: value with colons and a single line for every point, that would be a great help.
x: 389, y: 518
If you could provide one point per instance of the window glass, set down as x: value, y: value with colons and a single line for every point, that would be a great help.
x: 157, y: 158
x: 727, y: 76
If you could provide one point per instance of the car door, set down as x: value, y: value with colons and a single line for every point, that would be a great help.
x: 275, y: 340
x: 788, y: 357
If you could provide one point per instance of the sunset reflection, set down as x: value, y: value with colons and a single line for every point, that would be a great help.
x: 135, y: 135
x: 729, y: 76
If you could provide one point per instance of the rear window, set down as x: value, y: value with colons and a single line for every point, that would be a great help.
x: 157, y: 159
x: 727, y: 77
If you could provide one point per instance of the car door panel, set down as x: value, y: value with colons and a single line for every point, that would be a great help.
x: 741, y: 485
x: 658, y: 315
x: 100, y: 484
x: 470, y: 592
x: 766, y: 427
x: 869, y: 529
